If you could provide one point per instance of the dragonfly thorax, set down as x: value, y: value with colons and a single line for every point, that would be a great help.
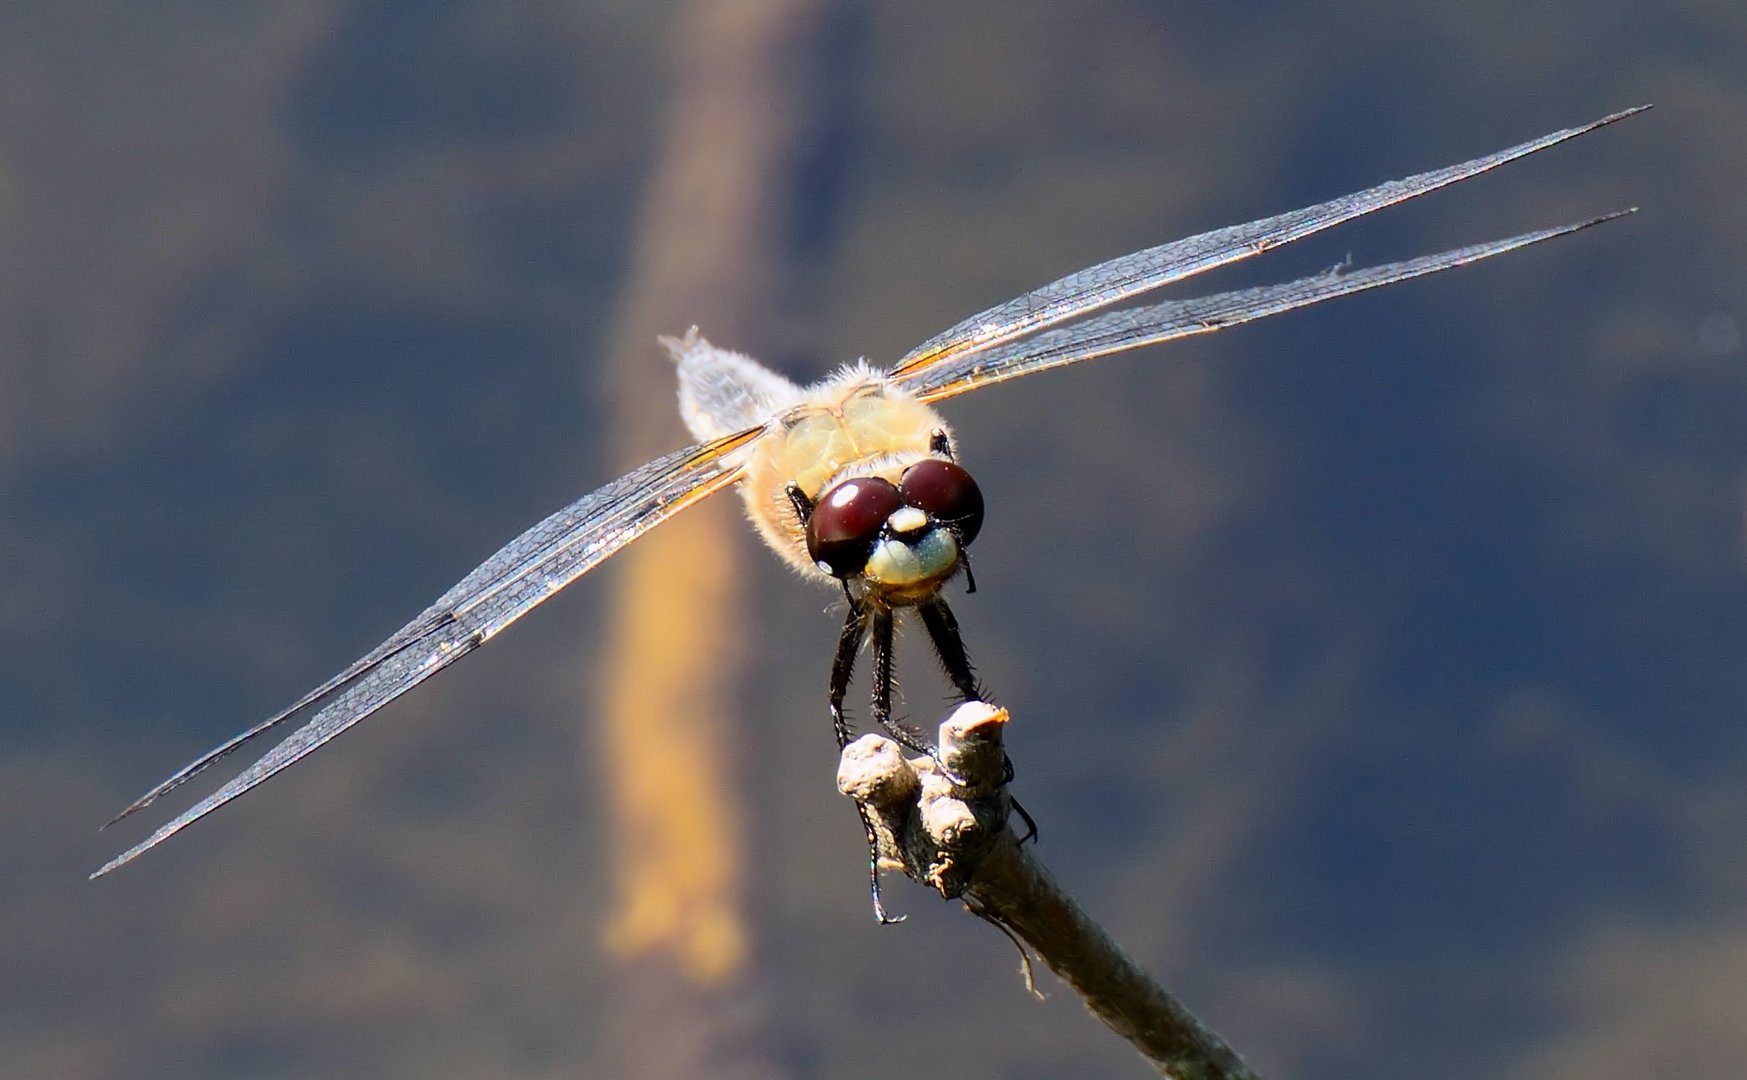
x: 855, y: 426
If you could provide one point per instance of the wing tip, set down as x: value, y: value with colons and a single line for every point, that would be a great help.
x: 188, y: 817
x: 132, y: 808
x: 113, y: 864
x: 1612, y: 215
x: 1612, y: 118
x: 175, y: 780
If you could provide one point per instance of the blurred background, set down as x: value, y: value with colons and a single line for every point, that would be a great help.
x: 1376, y: 670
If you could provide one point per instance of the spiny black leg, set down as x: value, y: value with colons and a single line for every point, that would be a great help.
x: 880, y: 636
x: 970, y: 579
x: 842, y: 670
x: 1030, y: 823
x: 798, y: 499
x: 881, y: 639
x: 949, y: 647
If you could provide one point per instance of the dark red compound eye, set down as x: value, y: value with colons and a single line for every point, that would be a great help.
x: 946, y: 493
x: 847, y: 521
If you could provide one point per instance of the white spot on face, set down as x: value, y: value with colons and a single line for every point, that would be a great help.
x: 907, y: 519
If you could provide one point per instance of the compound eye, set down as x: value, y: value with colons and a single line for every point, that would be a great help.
x: 946, y: 493
x: 847, y: 521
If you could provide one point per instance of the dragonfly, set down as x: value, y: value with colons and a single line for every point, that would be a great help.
x: 855, y: 481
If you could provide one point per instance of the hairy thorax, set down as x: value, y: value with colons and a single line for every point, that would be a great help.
x: 854, y: 424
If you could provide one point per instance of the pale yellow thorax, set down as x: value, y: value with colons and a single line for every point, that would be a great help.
x: 853, y: 424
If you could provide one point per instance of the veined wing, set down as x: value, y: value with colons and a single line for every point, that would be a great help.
x: 527, y: 570
x: 1132, y: 328
x: 1123, y: 278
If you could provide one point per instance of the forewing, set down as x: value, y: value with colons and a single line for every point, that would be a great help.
x: 1123, y: 278
x: 499, y: 591
x: 1131, y: 328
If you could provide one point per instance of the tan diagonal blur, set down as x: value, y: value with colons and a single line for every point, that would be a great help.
x: 707, y: 250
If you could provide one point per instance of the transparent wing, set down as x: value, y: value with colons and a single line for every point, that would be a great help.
x: 1123, y: 278
x: 530, y: 568
x: 1131, y: 328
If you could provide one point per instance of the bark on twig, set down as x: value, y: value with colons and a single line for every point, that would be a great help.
x: 943, y: 821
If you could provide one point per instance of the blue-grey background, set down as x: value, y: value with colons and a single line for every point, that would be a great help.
x: 1378, y: 669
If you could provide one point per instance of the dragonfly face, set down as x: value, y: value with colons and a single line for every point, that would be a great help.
x: 854, y: 480
x: 903, y: 539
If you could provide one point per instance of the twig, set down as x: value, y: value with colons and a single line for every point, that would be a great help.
x: 943, y: 821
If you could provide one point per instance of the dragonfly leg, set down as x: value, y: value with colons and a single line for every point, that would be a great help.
x: 1030, y: 822
x: 882, y: 621
x: 949, y: 647
x: 842, y: 670
x: 799, y: 500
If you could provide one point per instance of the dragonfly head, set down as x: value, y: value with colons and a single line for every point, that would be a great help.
x: 903, y: 539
